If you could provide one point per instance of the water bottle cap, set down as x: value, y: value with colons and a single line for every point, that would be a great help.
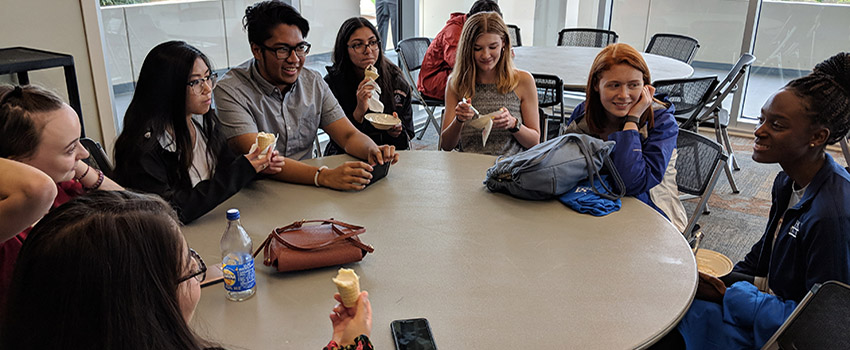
x: 233, y: 214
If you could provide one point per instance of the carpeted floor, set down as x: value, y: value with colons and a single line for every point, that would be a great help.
x: 736, y: 221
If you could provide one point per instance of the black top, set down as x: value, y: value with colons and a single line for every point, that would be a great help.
x: 344, y: 88
x: 155, y: 173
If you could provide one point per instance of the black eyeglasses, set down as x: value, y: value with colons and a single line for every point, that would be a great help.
x: 197, y: 85
x: 361, y: 47
x: 284, y: 51
x: 199, y: 275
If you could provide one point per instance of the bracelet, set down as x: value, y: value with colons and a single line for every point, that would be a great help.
x: 97, y: 184
x: 316, y: 177
x: 633, y: 119
x: 80, y: 178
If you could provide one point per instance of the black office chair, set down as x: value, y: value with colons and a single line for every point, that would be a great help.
x: 818, y: 322
x: 97, y: 156
x: 550, y: 93
x: 587, y: 37
x: 514, y: 34
x: 680, y: 47
x: 411, y: 52
x: 715, y: 114
x: 697, y: 168
x: 688, y: 96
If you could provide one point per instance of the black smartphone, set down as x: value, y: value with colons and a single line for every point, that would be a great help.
x: 379, y: 171
x: 413, y: 334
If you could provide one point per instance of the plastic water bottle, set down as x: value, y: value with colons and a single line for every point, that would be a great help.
x: 236, y: 260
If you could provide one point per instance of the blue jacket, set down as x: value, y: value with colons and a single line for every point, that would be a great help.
x: 640, y: 161
x: 746, y: 319
x: 813, y: 244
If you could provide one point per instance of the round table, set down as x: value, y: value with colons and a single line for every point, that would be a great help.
x: 486, y: 269
x: 572, y: 64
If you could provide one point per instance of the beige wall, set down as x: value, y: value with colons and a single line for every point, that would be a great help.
x: 54, y: 26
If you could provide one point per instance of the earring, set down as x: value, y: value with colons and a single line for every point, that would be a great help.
x: 811, y: 145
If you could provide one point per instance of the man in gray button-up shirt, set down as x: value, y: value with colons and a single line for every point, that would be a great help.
x: 273, y: 92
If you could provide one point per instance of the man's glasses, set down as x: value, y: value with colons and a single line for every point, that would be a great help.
x: 284, y: 51
x: 197, y: 85
x: 361, y: 47
x: 201, y: 273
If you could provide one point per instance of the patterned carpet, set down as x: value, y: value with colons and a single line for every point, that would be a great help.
x: 736, y: 221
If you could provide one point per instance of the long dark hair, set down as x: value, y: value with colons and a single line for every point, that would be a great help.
x: 159, y: 105
x: 20, y: 132
x: 100, y: 272
x: 342, y: 66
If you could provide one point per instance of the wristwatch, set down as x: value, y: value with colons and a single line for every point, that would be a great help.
x: 633, y: 119
x: 515, y: 128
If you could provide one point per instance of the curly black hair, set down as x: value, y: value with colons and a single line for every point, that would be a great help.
x: 827, y: 91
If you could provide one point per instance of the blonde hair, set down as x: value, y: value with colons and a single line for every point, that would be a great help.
x: 462, y: 79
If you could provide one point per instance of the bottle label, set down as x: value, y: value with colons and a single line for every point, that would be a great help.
x: 239, y: 277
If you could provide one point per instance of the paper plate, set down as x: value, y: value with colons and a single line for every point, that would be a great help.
x: 713, y: 263
x: 382, y: 121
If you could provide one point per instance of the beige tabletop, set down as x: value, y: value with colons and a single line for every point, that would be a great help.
x: 572, y: 64
x: 487, y: 270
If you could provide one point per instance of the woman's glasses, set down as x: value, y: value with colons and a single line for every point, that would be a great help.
x: 201, y: 272
x: 361, y: 47
x: 197, y: 85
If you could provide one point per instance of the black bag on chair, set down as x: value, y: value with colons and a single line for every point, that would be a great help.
x: 554, y: 167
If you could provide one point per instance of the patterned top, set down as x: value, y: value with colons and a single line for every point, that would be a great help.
x: 501, y: 142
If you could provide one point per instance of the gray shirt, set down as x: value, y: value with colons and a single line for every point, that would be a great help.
x: 247, y: 103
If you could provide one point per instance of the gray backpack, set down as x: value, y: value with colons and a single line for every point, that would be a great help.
x: 554, y: 167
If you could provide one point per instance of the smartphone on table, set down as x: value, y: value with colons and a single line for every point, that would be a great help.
x: 413, y: 334
x: 379, y: 171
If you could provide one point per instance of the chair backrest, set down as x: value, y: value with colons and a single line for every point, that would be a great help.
x: 696, y: 162
x: 726, y: 86
x: 588, y: 37
x: 550, y: 93
x: 818, y: 322
x: 550, y: 90
x: 514, y: 34
x: 411, y: 52
x: 699, y: 162
x: 97, y: 156
x: 680, y: 47
x: 689, y: 95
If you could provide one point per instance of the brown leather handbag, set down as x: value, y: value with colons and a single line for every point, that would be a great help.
x: 301, y: 247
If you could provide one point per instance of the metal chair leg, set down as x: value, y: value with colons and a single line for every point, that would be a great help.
x: 729, y: 150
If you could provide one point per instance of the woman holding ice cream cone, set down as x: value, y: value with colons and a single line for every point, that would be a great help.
x: 364, y: 81
x: 485, y: 83
x: 171, y: 145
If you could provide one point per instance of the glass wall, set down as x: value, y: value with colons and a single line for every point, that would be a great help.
x: 213, y: 26
x: 792, y: 37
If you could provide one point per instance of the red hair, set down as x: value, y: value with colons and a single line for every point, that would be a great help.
x: 611, y: 56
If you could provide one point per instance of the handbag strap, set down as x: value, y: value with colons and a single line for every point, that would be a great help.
x: 593, y: 173
x: 355, y: 231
